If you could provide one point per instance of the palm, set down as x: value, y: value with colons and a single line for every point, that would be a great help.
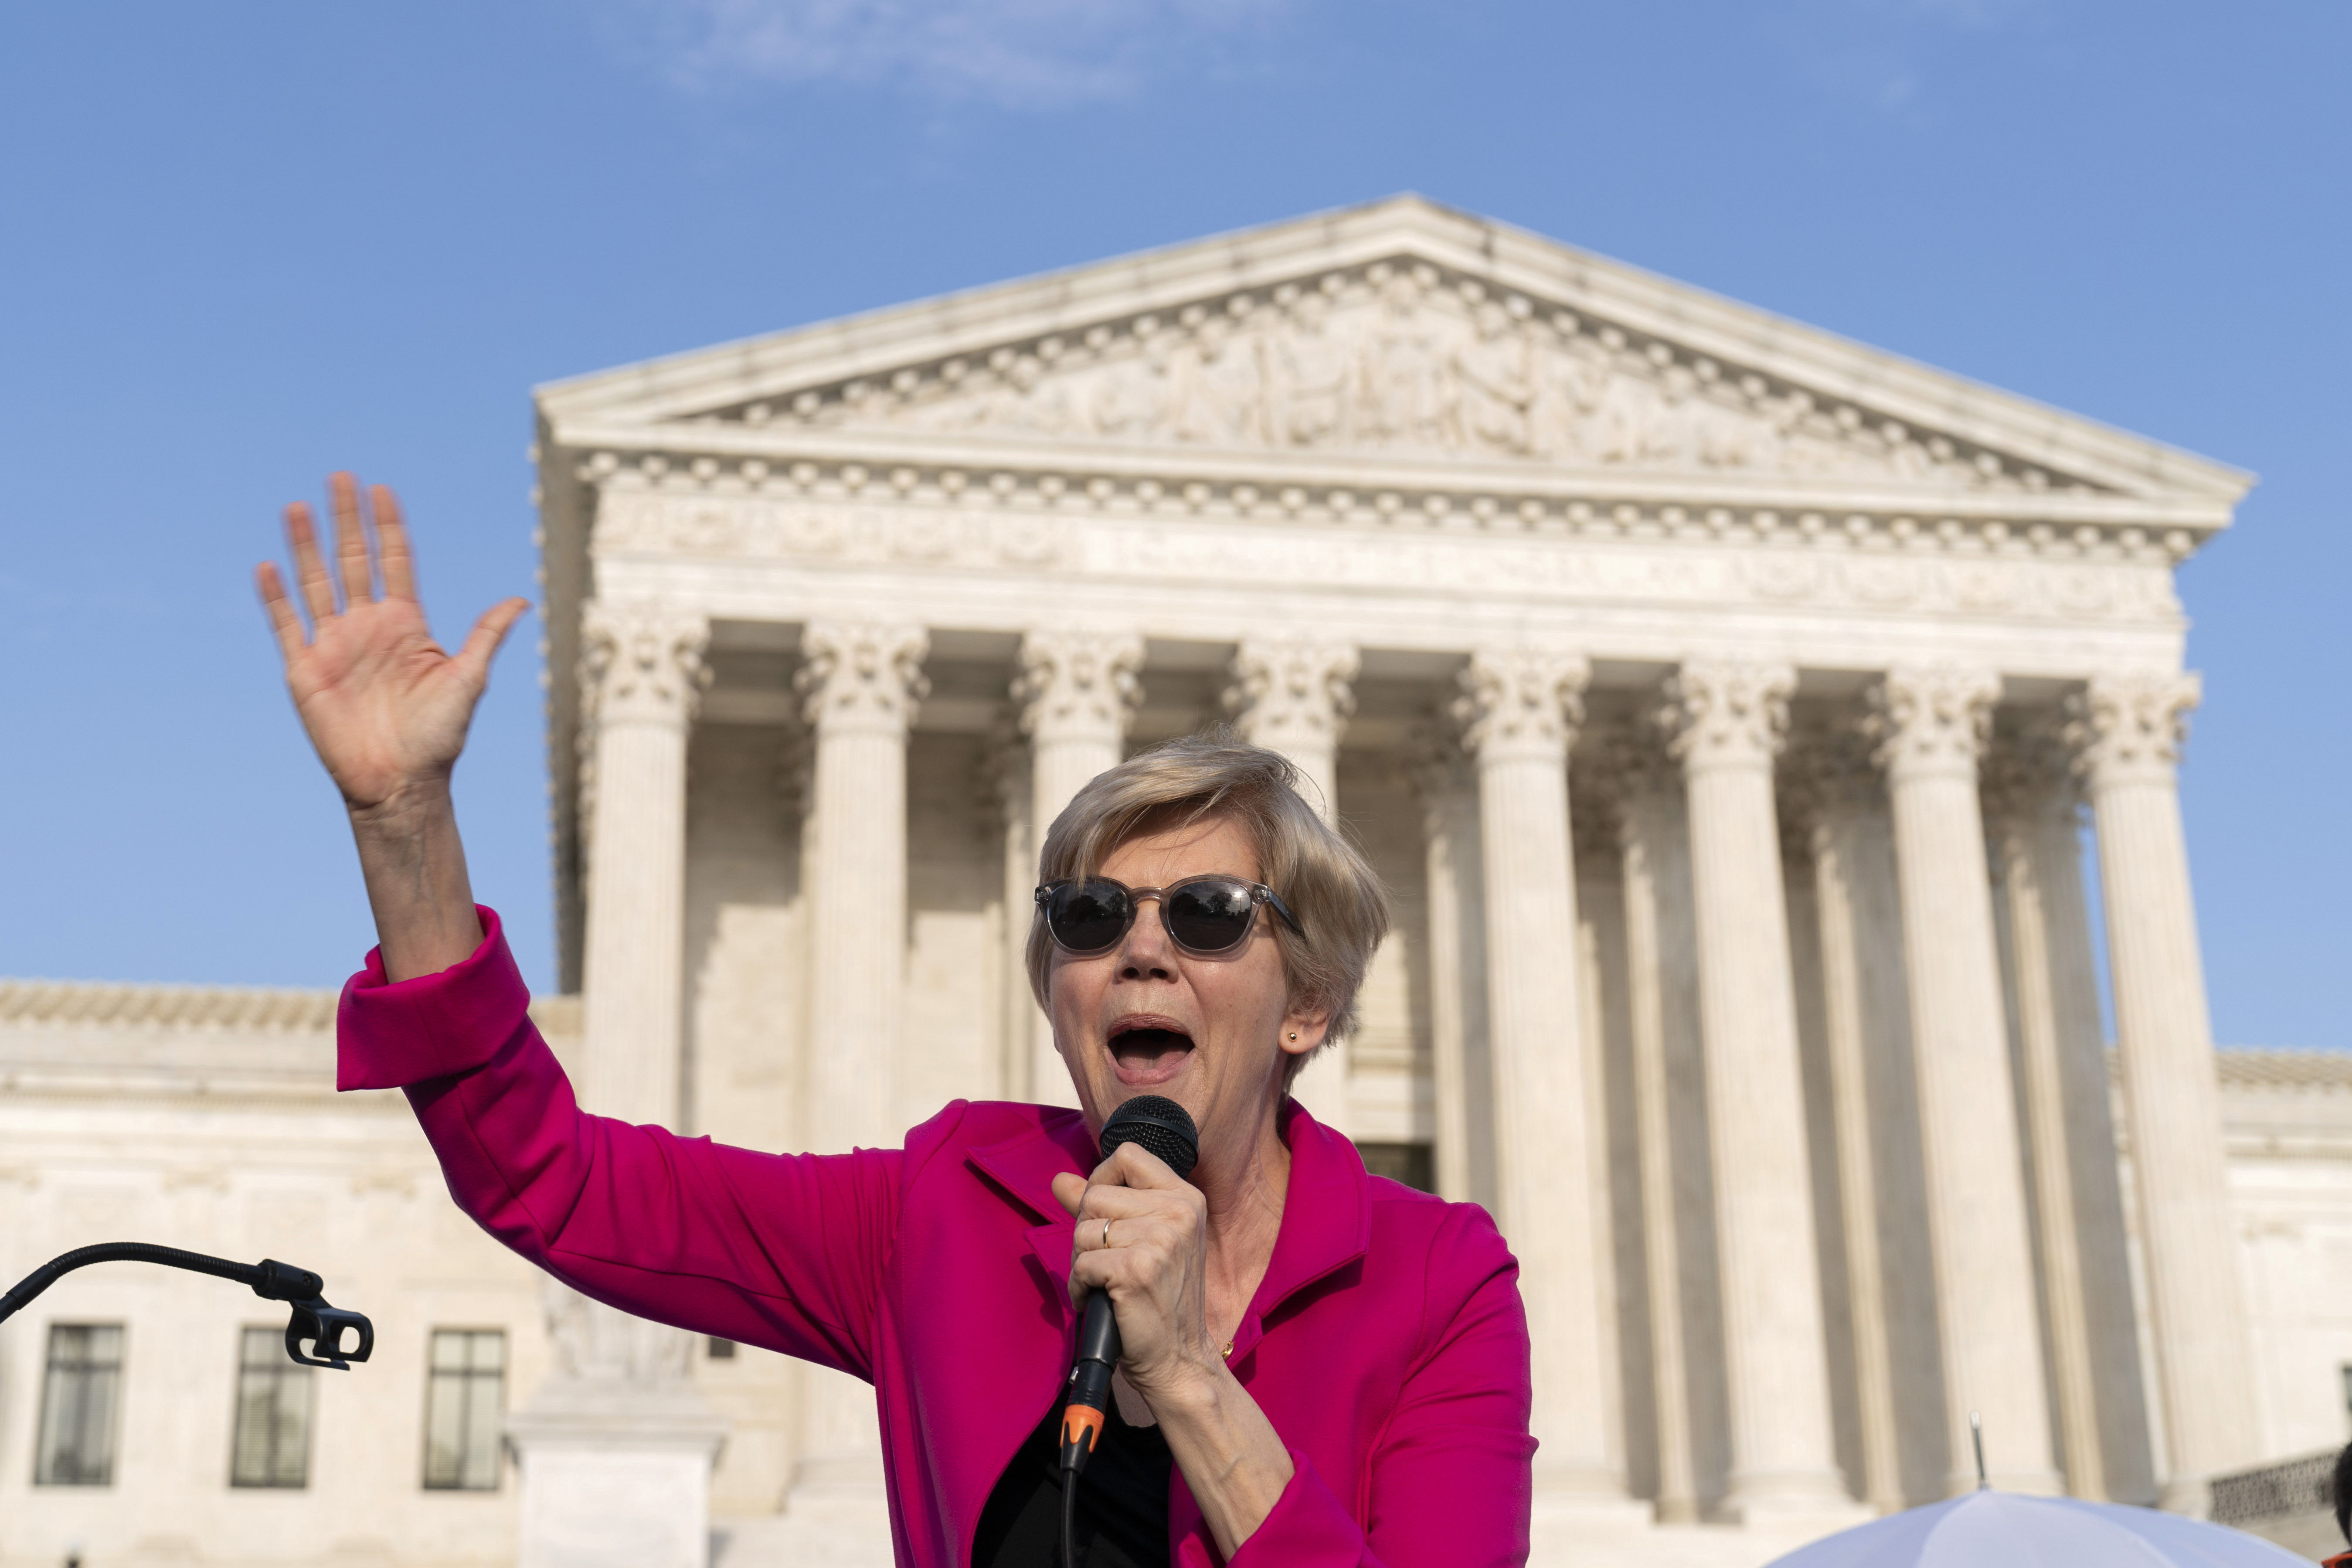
x: 386, y: 706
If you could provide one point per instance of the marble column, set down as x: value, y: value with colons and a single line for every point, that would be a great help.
x: 1866, y: 1030
x: 859, y: 684
x: 1520, y: 708
x: 642, y: 672
x: 1294, y: 694
x: 2032, y: 815
x: 1669, y: 1103
x: 1726, y: 721
x: 1076, y: 694
x: 1005, y: 770
x: 616, y: 1448
x: 2129, y: 728
x: 1931, y: 723
x: 1462, y: 1082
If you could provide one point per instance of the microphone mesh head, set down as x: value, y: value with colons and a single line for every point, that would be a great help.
x: 1160, y: 1125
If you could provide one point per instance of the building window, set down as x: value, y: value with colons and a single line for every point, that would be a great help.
x: 271, y: 1446
x: 721, y: 1349
x: 463, y: 1396
x: 85, y: 1372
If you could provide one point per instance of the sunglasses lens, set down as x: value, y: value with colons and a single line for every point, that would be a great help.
x: 1211, y: 916
x: 1086, y: 917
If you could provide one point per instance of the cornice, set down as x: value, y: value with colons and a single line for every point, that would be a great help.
x: 978, y: 459
x: 689, y: 462
x: 66, y: 1002
x: 1662, y: 313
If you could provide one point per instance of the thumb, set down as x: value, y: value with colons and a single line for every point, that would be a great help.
x: 482, y: 642
x: 1069, y: 1191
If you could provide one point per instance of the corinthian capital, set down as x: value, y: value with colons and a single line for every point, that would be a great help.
x: 1931, y: 719
x: 1521, y: 702
x: 1727, y: 713
x: 861, y: 674
x: 1078, y: 685
x: 2129, y: 728
x: 2030, y: 774
x: 1292, y: 694
x: 642, y: 663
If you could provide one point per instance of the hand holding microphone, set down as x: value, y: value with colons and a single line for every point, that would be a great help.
x: 1142, y: 1233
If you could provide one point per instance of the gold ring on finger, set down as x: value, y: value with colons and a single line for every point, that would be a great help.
x: 1106, y: 1241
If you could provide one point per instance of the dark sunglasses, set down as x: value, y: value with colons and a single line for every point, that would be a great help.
x: 1203, y: 915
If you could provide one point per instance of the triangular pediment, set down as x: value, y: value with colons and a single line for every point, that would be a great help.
x: 1401, y: 332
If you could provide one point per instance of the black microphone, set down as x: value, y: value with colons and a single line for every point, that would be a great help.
x: 1166, y: 1129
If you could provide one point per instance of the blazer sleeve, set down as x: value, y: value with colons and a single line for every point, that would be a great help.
x: 1450, y: 1481
x: 784, y: 1251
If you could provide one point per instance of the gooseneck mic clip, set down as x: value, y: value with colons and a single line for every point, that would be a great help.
x: 312, y: 1320
x: 1165, y: 1128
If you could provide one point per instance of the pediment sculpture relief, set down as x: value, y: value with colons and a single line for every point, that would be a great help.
x: 1396, y: 358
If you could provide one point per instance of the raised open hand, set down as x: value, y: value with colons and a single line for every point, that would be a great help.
x: 385, y: 705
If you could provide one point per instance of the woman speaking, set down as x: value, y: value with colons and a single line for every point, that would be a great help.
x: 1314, y: 1366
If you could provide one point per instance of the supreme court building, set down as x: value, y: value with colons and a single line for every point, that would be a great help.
x: 1723, y: 702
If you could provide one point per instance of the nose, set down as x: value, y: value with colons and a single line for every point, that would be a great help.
x: 1145, y: 953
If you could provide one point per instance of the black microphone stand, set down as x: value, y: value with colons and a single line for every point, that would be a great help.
x: 312, y: 1318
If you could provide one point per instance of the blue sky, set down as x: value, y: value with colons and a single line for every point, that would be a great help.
x: 240, y: 245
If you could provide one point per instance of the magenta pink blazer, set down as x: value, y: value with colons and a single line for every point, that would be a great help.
x: 1387, y: 1343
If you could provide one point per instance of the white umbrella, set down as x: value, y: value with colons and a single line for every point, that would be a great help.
x: 2007, y: 1530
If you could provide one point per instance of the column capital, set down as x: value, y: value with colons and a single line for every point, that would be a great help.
x: 1521, y: 702
x: 2129, y: 728
x: 1289, y: 693
x: 2030, y: 775
x: 1727, y: 713
x: 1078, y: 685
x: 1434, y: 763
x: 1931, y: 719
x: 1826, y: 774
x: 642, y: 663
x: 862, y: 676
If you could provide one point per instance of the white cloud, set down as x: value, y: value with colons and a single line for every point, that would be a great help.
x: 1019, y: 54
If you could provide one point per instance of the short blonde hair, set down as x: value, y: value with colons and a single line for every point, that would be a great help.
x: 1325, y: 880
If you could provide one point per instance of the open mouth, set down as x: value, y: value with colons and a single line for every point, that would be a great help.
x: 1149, y: 1050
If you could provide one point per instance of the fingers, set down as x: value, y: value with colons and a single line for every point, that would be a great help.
x: 1133, y: 1165
x: 351, y: 539
x: 282, y: 618
x: 309, y: 570
x: 392, y: 544
x: 482, y: 642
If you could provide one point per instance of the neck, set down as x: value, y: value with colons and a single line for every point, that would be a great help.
x: 1245, y: 1190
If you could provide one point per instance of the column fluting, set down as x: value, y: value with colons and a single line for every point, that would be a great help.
x: 859, y: 684
x: 2032, y: 813
x: 1462, y: 1083
x: 1726, y: 721
x: 1668, y: 1098
x: 642, y: 671
x: 2129, y: 728
x: 1294, y: 694
x: 1931, y: 724
x: 1075, y: 693
x: 1520, y: 707
x: 1866, y: 1032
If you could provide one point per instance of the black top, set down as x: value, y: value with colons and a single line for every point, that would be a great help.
x: 1122, y: 1501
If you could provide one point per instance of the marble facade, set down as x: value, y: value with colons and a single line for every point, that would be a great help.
x: 1723, y: 703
